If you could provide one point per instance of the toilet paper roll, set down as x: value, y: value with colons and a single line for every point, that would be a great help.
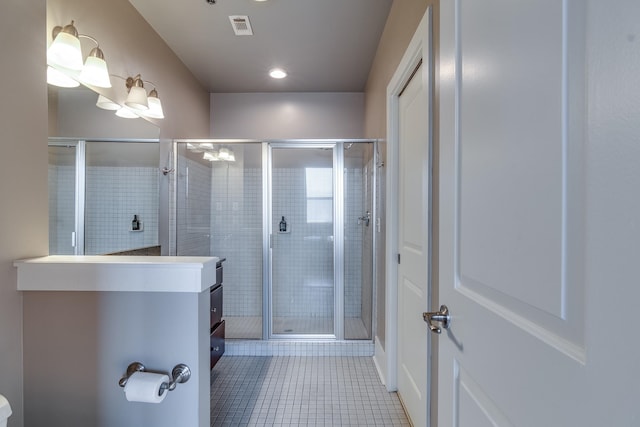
x: 145, y: 387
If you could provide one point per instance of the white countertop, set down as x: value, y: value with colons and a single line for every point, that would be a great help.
x: 116, y: 273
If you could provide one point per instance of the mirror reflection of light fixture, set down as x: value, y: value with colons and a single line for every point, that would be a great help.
x: 107, y: 104
x: 224, y: 153
x: 65, y: 55
x: 58, y: 78
x: 126, y: 113
x: 211, y: 152
x: 208, y: 155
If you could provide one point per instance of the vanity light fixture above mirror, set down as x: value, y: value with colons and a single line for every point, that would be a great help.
x: 64, y: 59
x: 138, y: 103
x: 67, y: 69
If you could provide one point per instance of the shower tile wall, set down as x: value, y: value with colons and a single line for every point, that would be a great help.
x: 303, y: 281
x: 306, y: 289
x: 353, y: 234
x: 62, y: 184
x: 113, y: 196
x: 230, y: 196
x: 236, y: 224
x: 193, y: 208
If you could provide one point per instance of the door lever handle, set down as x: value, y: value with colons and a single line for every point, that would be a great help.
x: 443, y: 316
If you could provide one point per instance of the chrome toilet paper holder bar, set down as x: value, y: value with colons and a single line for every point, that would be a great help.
x: 180, y: 374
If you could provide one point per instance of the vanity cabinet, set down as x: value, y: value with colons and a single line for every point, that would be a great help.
x: 115, y: 310
x: 216, y: 323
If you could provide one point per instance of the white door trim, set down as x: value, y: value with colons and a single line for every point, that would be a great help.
x: 419, y: 49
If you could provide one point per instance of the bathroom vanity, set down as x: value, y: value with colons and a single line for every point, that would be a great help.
x: 86, y: 318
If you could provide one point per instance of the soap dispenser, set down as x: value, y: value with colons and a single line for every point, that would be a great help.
x: 135, y: 224
x: 283, y: 225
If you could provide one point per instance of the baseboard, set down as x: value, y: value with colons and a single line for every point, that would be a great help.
x: 380, y: 360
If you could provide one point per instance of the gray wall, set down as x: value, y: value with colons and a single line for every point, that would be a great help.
x: 287, y: 115
x: 23, y: 175
x: 77, y: 356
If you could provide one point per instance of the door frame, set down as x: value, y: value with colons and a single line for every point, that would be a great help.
x: 419, y: 50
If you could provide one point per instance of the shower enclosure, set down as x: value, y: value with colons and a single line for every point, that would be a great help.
x: 295, y: 222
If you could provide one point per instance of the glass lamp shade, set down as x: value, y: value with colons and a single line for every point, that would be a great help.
x: 210, y: 156
x: 155, y: 106
x: 224, y: 154
x: 60, y: 79
x: 65, y: 52
x: 126, y: 113
x: 107, y: 104
x: 95, y: 72
x: 137, y: 99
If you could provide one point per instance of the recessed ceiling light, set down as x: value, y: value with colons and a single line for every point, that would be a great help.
x: 278, y: 73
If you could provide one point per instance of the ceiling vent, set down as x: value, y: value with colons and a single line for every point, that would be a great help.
x: 241, y: 25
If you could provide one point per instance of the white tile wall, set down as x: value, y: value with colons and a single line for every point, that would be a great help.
x: 62, y: 184
x: 193, y: 214
x: 236, y: 223
x: 231, y: 196
x: 113, y: 196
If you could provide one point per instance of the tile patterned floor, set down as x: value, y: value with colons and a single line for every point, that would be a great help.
x: 301, y: 391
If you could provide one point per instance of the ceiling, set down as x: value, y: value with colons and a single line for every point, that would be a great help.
x: 324, y: 45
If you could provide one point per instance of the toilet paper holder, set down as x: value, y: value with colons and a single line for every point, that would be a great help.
x: 180, y: 374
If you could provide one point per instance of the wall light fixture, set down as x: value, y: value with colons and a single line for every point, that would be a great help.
x: 138, y: 103
x: 65, y: 57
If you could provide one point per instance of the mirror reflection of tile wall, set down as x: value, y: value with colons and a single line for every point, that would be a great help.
x: 121, y: 181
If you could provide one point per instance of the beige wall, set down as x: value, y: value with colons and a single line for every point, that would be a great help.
x: 319, y: 115
x: 23, y: 175
x: 403, y: 20
x: 131, y: 47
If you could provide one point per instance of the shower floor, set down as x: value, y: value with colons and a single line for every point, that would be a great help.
x: 245, y: 327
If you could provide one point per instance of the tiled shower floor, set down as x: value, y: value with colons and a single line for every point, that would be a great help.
x: 301, y: 391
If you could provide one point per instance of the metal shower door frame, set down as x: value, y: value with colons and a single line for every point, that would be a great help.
x: 338, y: 238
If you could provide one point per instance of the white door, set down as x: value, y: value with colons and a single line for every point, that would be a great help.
x: 539, y: 213
x: 413, y: 246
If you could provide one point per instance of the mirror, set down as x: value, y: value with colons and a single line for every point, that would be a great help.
x: 103, y: 178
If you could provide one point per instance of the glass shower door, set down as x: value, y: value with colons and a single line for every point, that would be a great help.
x: 62, y: 199
x: 302, y: 241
